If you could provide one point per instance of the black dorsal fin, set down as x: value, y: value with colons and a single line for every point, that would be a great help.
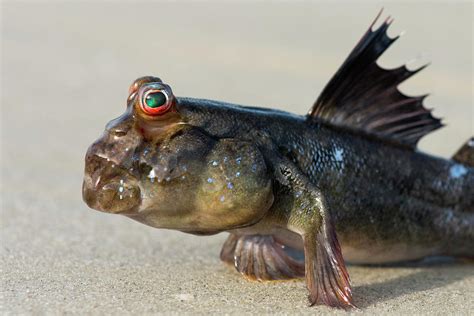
x: 362, y: 96
x: 465, y: 154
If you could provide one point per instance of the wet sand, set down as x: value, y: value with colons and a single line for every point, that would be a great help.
x: 65, y: 72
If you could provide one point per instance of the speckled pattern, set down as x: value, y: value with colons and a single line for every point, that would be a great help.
x: 381, y: 195
x: 60, y: 257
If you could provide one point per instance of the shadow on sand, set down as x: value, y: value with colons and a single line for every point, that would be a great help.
x: 429, y: 274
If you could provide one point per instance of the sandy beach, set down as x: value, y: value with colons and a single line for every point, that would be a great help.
x: 65, y: 72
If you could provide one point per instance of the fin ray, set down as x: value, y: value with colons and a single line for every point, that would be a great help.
x: 363, y: 96
x: 261, y: 258
x: 327, y: 278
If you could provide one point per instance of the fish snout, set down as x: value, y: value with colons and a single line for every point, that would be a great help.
x: 109, y: 188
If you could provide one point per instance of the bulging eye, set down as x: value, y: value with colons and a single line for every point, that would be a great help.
x: 133, y: 89
x: 155, y: 102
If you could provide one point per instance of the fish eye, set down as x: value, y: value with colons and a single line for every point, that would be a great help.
x: 133, y: 89
x: 155, y: 102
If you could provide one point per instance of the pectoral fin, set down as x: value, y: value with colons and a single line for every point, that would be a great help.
x: 326, y: 276
x: 260, y: 258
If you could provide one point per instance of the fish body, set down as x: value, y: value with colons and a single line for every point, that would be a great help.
x: 299, y: 195
x: 389, y: 203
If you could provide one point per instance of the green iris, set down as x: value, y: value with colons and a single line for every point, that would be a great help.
x: 156, y: 99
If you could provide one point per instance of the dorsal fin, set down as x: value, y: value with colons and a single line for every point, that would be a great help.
x: 362, y: 96
x: 465, y: 154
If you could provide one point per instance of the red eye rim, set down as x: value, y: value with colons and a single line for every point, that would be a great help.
x: 160, y: 110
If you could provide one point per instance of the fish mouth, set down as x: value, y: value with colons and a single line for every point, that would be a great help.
x: 109, y: 188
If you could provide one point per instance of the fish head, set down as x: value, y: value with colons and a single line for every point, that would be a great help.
x: 154, y: 167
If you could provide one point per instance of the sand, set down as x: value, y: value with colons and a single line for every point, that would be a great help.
x: 65, y: 71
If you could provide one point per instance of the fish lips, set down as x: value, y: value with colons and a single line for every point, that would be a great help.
x: 109, y: 188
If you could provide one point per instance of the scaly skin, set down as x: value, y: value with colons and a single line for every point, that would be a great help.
x: 388, y: 202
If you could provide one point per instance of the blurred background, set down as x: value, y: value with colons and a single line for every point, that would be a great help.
x: 65, y: 72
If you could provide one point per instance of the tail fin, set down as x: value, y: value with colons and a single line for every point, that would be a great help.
x: 465, y: 154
